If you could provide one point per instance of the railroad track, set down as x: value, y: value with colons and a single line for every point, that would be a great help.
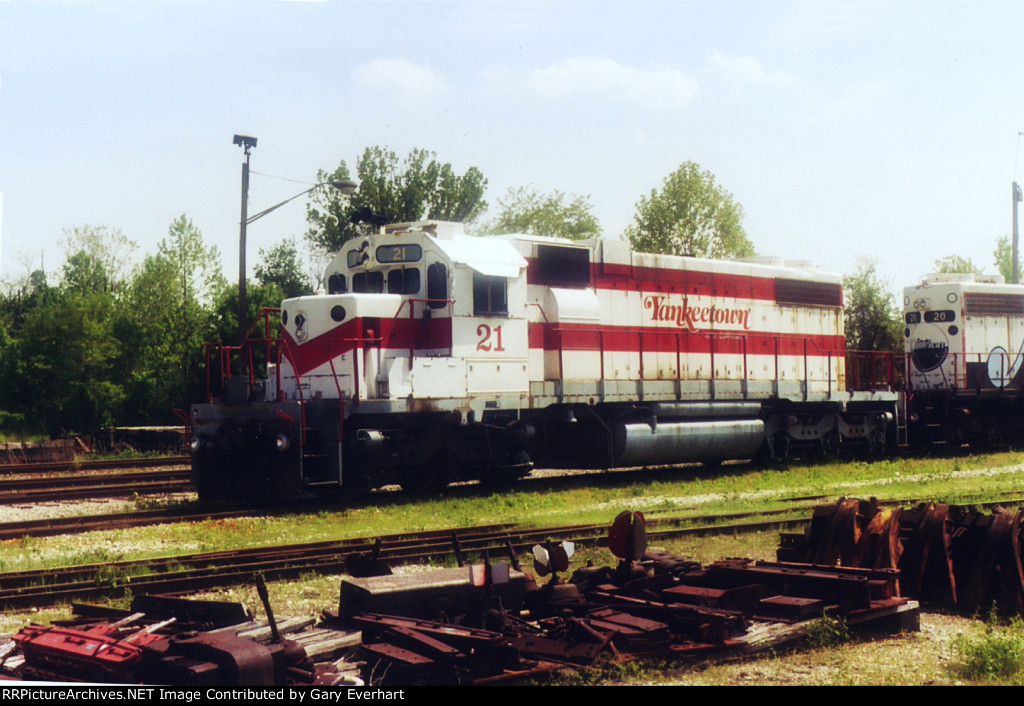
x: 7, y: 469
x: 80, y: 524
x: 191, y: 573
x: 109, y: 485
x: 52, y: 527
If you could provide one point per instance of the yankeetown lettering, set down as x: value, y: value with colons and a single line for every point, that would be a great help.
x: 695, y: 318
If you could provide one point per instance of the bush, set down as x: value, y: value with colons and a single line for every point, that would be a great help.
x: 996, y: 653
x: 827, y: 632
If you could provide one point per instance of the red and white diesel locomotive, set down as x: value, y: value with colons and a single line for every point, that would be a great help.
x: 437, y: 356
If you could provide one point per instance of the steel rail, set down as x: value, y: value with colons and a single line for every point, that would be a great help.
x: 75, y: 466
x: 190, y: 573
x: 30, y: 490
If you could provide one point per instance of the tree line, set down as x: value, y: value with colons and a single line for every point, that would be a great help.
x: 690, y: 215
x: 103, y: 343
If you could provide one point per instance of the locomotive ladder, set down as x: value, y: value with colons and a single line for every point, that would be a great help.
x: 902, y: 433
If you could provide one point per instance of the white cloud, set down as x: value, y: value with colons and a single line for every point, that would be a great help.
x: 404, y: 78
x: 747, y: 69
x: 605, y: 78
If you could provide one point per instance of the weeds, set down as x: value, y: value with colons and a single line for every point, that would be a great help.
x: 145, y: 503
x: 632, y: 672
x: 995, y: 654
x: 117, y: 576
x: 827, y: 632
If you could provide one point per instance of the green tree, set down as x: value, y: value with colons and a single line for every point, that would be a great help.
x: 1003, y: 255
x: 62, y: 358
x: 170, y: 315
x: 525, y: 210
x: 691, y: 215
x: 280, y: 266
x: 65, y: 355
x: 107, y: 252
x: 148, y: 331
x: 391, y: 191
x: 954, y: 264
x: 22, y: 296
x: 873, y: 321
x: 258, y: 297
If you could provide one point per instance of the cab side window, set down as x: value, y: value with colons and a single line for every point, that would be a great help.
x: 490, y: 297
x: 437, y: 286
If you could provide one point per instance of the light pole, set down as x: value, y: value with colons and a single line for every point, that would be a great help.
x: 345, y: 186
x: 1015, y: 249
x: 247, y: 144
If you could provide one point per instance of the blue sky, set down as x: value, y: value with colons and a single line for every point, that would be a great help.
x: 886, y: 130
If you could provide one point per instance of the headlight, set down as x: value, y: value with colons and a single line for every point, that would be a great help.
x: 195, y: 443
x: 282, y: 442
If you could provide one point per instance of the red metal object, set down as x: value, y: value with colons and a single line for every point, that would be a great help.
x: 95, y: 654
x: 627, y: 539
x: 871, y: 370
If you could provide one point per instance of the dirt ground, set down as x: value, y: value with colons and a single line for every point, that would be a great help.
x: 911, y: 659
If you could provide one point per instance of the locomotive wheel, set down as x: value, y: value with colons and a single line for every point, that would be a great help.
x: 501, y: 478
x: 209, y: 490
x: 429, y: 478
x: 991, y: 438
x: 830, y: 444
x: 518, y: 465
x: 876, y: 442
x: 212, y: 477
x: 284, y: 485
x: 955, y: 436
x: 423, y: 484
x: 774, y: 450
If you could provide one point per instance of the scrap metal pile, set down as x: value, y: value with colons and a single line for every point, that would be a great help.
x: 446, y: 627
x: 172, y: 641
x: 957, y: 557
x: 488, y: 623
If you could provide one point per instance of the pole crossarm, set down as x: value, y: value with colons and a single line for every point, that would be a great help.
x: 261, y: 214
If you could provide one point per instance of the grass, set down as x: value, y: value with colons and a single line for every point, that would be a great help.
x: 993, y: 654
x: 634, y: 672
x: 978, y: 657
x: 13, y: 437
x: 595, y: 498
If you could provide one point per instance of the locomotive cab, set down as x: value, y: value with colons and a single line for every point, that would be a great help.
x: 421, y: 313
x: 418, y: 348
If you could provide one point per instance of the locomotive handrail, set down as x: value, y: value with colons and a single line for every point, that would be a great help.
x: 355, y: 361
x: 888, y: 381
x: 187, y: 421
x: 225, y: 352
